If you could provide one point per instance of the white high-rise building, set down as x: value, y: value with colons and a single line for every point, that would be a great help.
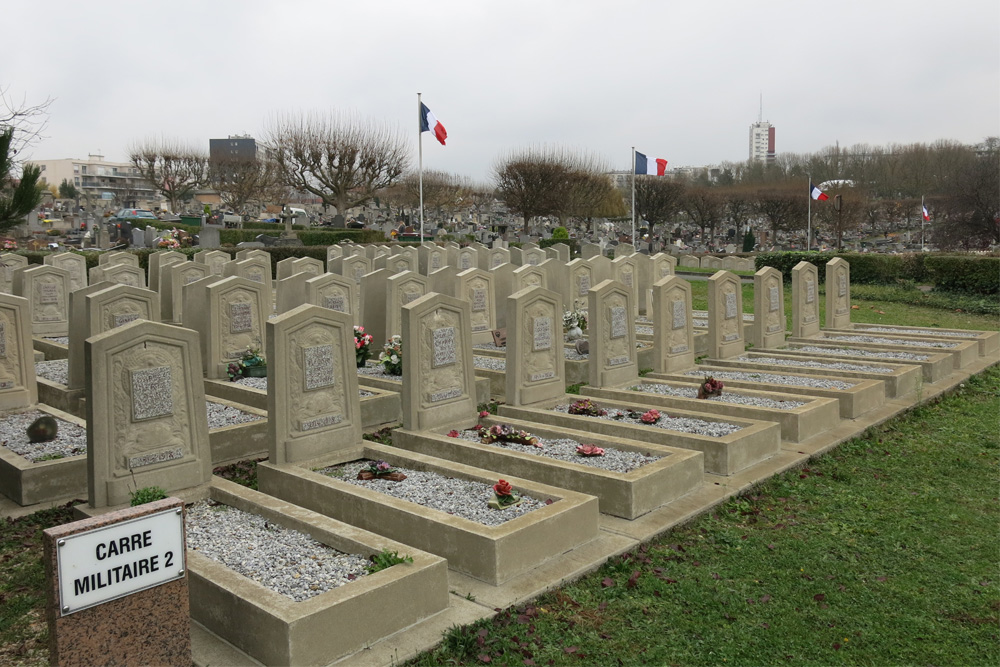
x: 762, y: 141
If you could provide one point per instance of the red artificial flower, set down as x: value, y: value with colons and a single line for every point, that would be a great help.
x: 503, y: 488
x: 453, y: 433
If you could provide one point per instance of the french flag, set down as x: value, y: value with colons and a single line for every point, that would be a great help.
x: 927, y: 216
x: 428, y: 123
x: 650, y: 166
x: 816, y: 193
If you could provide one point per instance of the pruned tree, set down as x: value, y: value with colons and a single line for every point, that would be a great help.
x: 971, y: 209
x: 593, y: 195
x: 28, y: 121
x: 783, y: 206
x: 344, y: 160
x: 174, y: 170
x: 705, y: 208
x: 18, y: 196
x: 242, y: 182
x: 658, y: 198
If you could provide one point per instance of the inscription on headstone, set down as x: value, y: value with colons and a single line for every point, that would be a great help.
x: 843, y: 284
x: 496, y: 261
x: 465, y: 262
x: 317, y: 363
x: 410, y: 296
x: 730, y: 306
x: 679, y: 314
x: 443, y: 342
x: 48, y: 293
x: 256, y: 276
x: 773, y: 295
x: 535, y: 377
x: 123, y: 318
x: 240, y: 317
x: 619, y: 324
x: 677, y: 349
x: 436, y: 261
x: 627, y: 278
x: 729, y: 337
x: 810, y: 291
x: 584, y: 284
x: 618, y: 361
x: 478, y: 300
x: 336, y: 302
x: 541, y: 330
x: 319, y: 422
x: 445, y: 395
x: 155, y: 457
x: 152, y: 393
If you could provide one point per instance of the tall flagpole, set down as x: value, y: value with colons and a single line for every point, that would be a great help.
x: 923, y: 219
x: 809, y: 223
x: 633, y: 196
x: 420, y: 164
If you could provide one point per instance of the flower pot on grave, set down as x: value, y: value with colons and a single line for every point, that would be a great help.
x: 362, y: 360
x: 255, y: 371
x: 574, y: 333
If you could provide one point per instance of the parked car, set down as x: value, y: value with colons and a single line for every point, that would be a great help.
x: 132, y: 215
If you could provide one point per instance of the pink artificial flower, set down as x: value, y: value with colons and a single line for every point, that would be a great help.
x: 650, y: 417
x: 453, y: 433
x: 484, y: 414
x: 589, y: 450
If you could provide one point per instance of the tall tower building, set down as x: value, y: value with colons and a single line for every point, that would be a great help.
x: 762, y: 138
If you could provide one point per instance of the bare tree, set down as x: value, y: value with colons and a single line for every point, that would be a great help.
x: 783, y: 206
x: 242, y: 182
x: 705, y: 208
x: 21, y: 188
x: 343, y: 160
x: 27, y: 121
x: 174, y: 170
x: 658, y: 198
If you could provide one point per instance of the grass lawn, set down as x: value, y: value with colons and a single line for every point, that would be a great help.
x: 883, y: 552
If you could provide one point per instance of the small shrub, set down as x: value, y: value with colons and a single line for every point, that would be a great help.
x: 386, y: 559
x: 147, y: 494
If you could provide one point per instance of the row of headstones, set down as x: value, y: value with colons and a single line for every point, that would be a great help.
x: 712, y: 262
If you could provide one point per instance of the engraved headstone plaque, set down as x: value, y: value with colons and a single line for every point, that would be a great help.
x: 773, y: 295
x: 410, y: 296
x: 152, y: 393
x: 843, y: 284
x: 810, y: 291
x: 627, y: 278
x: 478, y: 300
x: 584, y: 284
x: 619, y: 324
x: 317, y: 364
x: 240, y: 317
x: 730, y: 306
x: 121, y: 319
x: 496, y: 261
x: 48, y: 293
x: 464, y: 261
x: 443, y: 342
x: 336, y: 302
x: 256, y: 276
x: 436, y: 261
x: 679, y: 314
x: 541, y: 331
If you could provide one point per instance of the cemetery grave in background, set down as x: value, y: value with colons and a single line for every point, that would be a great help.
x: 143, y: 363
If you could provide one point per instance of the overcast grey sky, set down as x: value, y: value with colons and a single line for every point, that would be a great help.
x: 678, y: 80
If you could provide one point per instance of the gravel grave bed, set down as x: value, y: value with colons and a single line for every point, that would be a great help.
x: 261, y: 383
x: 865, y: 353
x: 917, y: 332
x: 571, y: 354
x: 285, y: 561
x: 737, y: 399
x: 459, y: 497
x: 62, y: 340
x: 489, y: 346
x: 489, y: 363
x: 643, y: 330
x: 54, y: 371
x: 377, y: 371
x: 774, y: 378
x: 703, y: 314
x: 564, y: 449
x: 71, y: 440
x: 832, y: 365
x: 680, y: 424
x: 892, y: 341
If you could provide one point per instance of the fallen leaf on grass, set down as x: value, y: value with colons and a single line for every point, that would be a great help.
x: 819, y: 597
x: 608, y: 583
x: 633, y: 580
x: 571, y: 649
x: 765, y: 599
x: 484, y: 657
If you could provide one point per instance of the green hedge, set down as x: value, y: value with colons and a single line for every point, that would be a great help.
x: 972, y: 275
x: 309, y: 238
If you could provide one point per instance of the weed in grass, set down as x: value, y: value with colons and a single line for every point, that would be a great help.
x: 574, y: 388
x: 55, y: 456
x: 386, y: 559
x: 383, y: 436
x: 241, y: 472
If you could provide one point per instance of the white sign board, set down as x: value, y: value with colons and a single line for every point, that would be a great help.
x: 117, y: 560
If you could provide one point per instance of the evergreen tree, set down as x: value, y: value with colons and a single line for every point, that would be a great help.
x: 18, y: 197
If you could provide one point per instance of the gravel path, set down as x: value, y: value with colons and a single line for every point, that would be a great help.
x: 680, y: 424
x: 892, y: 341
x: 564, y: 449
x: 286, y: 561
x: 451, y: 495
x: 864, y: 353
x: 71, y: 439
x: 261, y: 383
x: 54, y: 371
x: 917, y: 332
x: 727, y: 397
x: 830, y: 365
x: 774, y: 378
x: 747, y: 317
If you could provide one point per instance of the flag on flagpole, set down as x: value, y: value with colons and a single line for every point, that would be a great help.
x: 652, y: 166
x: 927, y: 216
x: 816, y: 193
x: 428, y: 123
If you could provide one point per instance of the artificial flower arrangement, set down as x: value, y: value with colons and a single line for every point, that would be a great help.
x: 391, y: 356
x: 650, y: 417
x: 381, y: 470
x: 587, y: 408
x: 504, y: 495
x: 710, y: 387
x: 574, y: 318
x: 507, y: 433
x: 362, y: 345
x: 589, y: 450
x: 251, y: 364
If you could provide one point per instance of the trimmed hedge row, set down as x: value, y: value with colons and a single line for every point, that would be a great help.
x: 952, y: 273
x: 309, y: 238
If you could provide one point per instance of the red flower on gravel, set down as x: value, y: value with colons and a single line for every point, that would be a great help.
x: 589, y: 450
x: 503, y: 488
x: 650, y: 417
x: 453, y: 433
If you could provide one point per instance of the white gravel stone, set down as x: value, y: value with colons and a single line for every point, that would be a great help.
x: 261, y: 384
x: 727, y: 397
x: 489, y: 363
x: 54, y: 371
x: 680, y: 424
x: 747, y: 317
x: 489, y: 346
x: 644, y: 330
x: 71, y: 440
x: 451, y: 495
x: 775, y: 378
x: 917, y: 332
x: 831, y: 365
x: 564, y: 449
x: 892, y: 341
x: 61, y: 340
x: 285, y: 561
x: 850, y: 352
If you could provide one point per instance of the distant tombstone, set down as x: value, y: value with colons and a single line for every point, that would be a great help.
x: 157, y: 260
x: 532, y: 256
x: 103, y: 307
x: 468, y: 258
x: 149, y: 235
x: 18, y: 385
x: 174, y: 277
x: 731, y: 263
x: 476, y: 287
x: 439, y: 383
x: 581, y: 279
x: 626, y: 272
x: 624, y: 250
x: 673, y: 332
x: 210, y: 236
x: 231, y: 320
x: 838, y: 294
x: 805, y: 300
x: 256, y: 269
x: 730, y: 248
x: 249, y: 252
x: 312, y: 389
x: 562, y: 252
x: 308, y: 265
x: 138, y: 239
x: 498, y: 256
x: 73, y: 263
x: 216, y: 261
x: 47, y: 290
x: 588, y: 250
x: 335, y: 292
x: 290, y: 292
x: 611, y: 333
x: 725, y: 316
x: 338, y: 222
x: 535, y: 357
x: 146, y: 419
x: 769, y: 309
x: 333, y: 252
x: 8, y: 263
x: 688, y: 261
x: 122, y: 274
x: 117, y: 257
x: 710, y: 262
x: 283, y: 269
x: 401, y: 290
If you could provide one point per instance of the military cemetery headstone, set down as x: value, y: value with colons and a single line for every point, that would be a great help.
x: 117, y: 588
x: 725, y: 316
x: 146, y: 419
x: 805, y: 300
x: 250, y: 253
x: 439, y: 387
x: 119, y: 273
x: 535, y: 356
x: 47, y: 290
x: 498, y: 256
x: 149, y: 236
x: 18, y: 386
x: 688, y: 261
x: 710, y: 262
x: 625, y: 269
x: 562, y: 251
x: 581, y: 279
x: 768, y: 309
x: 74, y: 264
x: 443, y: 280
x: 9, y: 262
x: 335, y: 292
x: 290, y: 292
x: 532, y: 256
x: 216, y: 261
x: 838, y: 294
x: 611, y: 334
x: 99, y: 308
x: 117, y: 257
x: 312, y: 387
x: 476, y: 287
x: 138, y: 239
x: 230, y: 320
x: 673, y: 331
x: 256, y: 269
x: 588, y: 250
x: 468, y: 258
x: 174, y: 276
x: 624, y: 250
x: 157, y: 261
